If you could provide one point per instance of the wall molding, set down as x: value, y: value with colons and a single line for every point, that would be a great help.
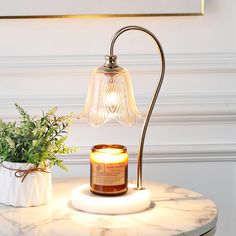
x: 168, y: 154
x: 179, y: 108
x: 182, y: 107
x: 192, y: 62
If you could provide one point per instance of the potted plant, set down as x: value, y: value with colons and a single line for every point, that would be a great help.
x: 27, y: 151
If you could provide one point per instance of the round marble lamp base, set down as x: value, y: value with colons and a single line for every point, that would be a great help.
x: 130, y: 202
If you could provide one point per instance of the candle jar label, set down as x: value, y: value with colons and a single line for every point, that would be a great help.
x: 109, y: 174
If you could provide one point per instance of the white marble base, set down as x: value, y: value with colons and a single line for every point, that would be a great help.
x: 131, y: 202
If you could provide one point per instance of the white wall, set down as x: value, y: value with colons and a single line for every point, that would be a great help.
x: 191, y: 138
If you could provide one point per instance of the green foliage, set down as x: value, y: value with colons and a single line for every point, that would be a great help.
x: 35, y: 141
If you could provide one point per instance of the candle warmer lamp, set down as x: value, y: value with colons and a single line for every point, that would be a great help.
x: 110, y: 96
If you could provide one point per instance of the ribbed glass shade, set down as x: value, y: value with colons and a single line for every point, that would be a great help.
x: 110, y: 96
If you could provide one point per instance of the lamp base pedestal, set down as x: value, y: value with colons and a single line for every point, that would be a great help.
x: 132, y: 201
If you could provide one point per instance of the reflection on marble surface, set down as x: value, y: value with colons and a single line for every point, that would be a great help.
x: 174, y: 211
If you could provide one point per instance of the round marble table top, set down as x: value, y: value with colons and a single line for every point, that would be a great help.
x: 174, y: 211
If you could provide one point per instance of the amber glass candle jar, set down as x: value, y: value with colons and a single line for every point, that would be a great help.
x: 108, y: 169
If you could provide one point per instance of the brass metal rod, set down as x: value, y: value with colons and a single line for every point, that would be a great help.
x: 154, y: 98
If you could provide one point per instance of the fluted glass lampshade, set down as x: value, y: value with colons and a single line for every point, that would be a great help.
x: 110, y: 96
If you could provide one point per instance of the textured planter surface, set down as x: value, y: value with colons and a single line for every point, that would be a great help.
x: 36, y: 189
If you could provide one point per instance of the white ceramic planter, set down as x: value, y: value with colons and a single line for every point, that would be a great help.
x: 36, y: 189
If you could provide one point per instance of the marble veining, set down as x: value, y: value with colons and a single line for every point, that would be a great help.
x: 174, y: 211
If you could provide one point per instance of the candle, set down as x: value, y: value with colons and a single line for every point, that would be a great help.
x: 108, y: 169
